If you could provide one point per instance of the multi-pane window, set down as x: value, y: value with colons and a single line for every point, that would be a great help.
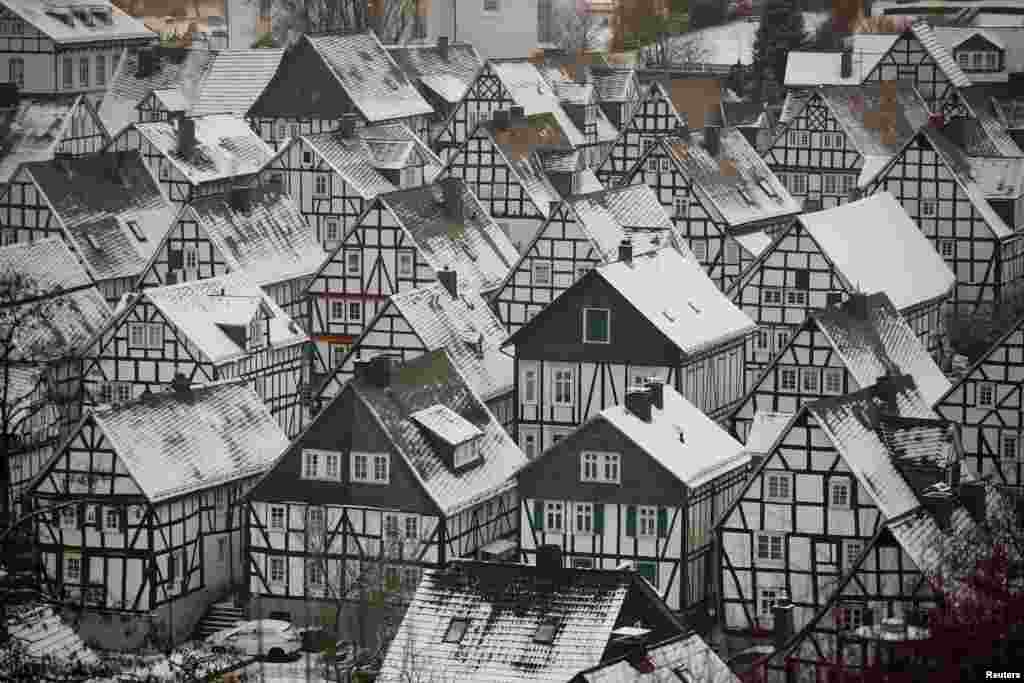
x: 391, y: 526
x: 412, y: 527
x: 553, y: 517
x: 986, y: 394
x: 762, y: 340
x: 796, y: 297
x: 320, y: 184
x: 699, y: 249
x: 83, y: 72
x: 1010, y: 447
x: 770, y: 547
x: 588, y: 466
x: 146, y: 335
x: 72, y: 569
x: 541, y: 273
x: 647, y: 521
x: 927, y: 207
x: 315, y: 573
x: 332, y: 232
x: 850, y: 615
x: 681, y: 206
x: 596, y: 323
x: 317, y: 464
x: 277, y: 518
x: 599, y: 467
x: 562, y: 387
x: 277, y: 570
x: 355, y: 311
x: 809, y: 379
x: 849, y: 183
x: 584, y: 518
x: 851, y: 551
x: 771, y: 296
x: 353, y: 263
x: 833, y: 381
x: 947, y: 249
x: 405, y: 263
x: 530, y: 386
x: 798, y: 183
x: 830, y: 183
x: 370, y: 467
x: 111, y: 520
x: 787, y: 379
x: 492, y: 6
x: 769, y: 598
x: 839, y: 493
x: 101, y: 70
x: 777, y: 486
x: 315, y: 519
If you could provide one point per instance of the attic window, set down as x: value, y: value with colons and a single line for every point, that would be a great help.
x: 670, y: 315
x: 456, y: 630
x: 546, y: 630
x: 766, y: 187
x: 746, y: 195
x: 136, y: 231
x: 92, y: 242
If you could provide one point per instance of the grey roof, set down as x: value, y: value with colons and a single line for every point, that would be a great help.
x: 226, y: 147
x: 234, y: 81
x: 992, y: 139
x: 35, y: 128
x: 687, y: 653
x: 369, y: 76
x: 609, y: 216
x: 429, y: 380
x: 268, y: 238
x: 615, y: 84
x: 733, y: 182
x: 449, y: 78
x: 173, y: 67
x: 53, y: 18
x: 171, y: 99
x: 505, y: 604
x: 173, y: 444
x: 95, y: 205
x: 854, y: 108
x: 464, y: 238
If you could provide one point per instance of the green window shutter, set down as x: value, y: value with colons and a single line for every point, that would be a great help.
x: 648, y: 570
x: 662, y: 522
x: 538, y: 515
x: 631, y: 520
x: 598, y: 518
x: 597, y: 325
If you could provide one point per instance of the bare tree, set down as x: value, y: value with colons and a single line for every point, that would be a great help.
x: 576, y: 27
x: 392, y: 20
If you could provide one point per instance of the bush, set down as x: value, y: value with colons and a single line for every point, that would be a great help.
x: 266, y: 40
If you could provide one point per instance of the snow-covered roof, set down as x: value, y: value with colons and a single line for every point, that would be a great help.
x: 754, y: 242
x: 173, y: 443
x: 729, y: 43
x: 1007, y: 38
x: 378, y: 88
x: 198, y: 309
x: 531, y: 91
x: 448, y: 77
x: 34, y: 129
x: 681, y: 437
x: 765, y: 430
x: 98, y: 199
x: 234, y: 80
x: 171, y: 99
x: 736, y: 184
x: 615, y: 83
x: 86, y: 21
x: 693, y: 313
x: 689, y: 654
x: 607, y: 217
x: 266, y: 236
x: 446, y: 424
x: 226, y: 147
x: 876, y: 341
x: 908, y: 270
x: 464, y: 326
x: 429, y: 380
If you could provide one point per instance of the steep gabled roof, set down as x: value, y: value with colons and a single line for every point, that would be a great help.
x: 987, y: 134
x: 448, y: 77
x: 524, y: 156
x: 175, y: 443
x: 429, y: 380
x: 609, y: 216
x: 266, y: 237
x: 970, y: 373
x: 80, y: 22
x: 235, y: 79
x: 531, y: 91
x: 688, y: 654
x: 33, y: 130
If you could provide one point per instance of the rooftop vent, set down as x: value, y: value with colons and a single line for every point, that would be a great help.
x: 626, y: 251
x: 638, y: 402
x: 442, y: 46
x: 449, y: 279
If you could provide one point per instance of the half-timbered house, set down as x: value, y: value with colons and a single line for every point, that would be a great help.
x: 54, y: 307
x: 196, y: 157
x: 722, y: 197
x: 333, y: 176
x: 972, y: 122
x: 824, y: 257
x: 839, y: 471
x: 212, y: 329
x: 651, y: 315
x: 405, y: 469
x: 686, y: 656
x: 584, y: 231
x: 842, y: 349
x: 145, y: 531
x: 442, y: 73
x: 579, y: 97
x: 322, y: 77
x: 641, y: 482
x: 252, y: 230
x: 106, y: 207
x: 944, y: 192
x: 840, y: 138
x: 41, y: 127
x: 986, y: 402
x: 618, y: 92
x: 914, y: 56
x: 406, y: 239
x: 429, y: 318
x: 510, y: 622
x: 49, y: 47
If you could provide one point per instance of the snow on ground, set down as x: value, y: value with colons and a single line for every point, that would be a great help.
x: 726, y: 44
x: 308, y: 668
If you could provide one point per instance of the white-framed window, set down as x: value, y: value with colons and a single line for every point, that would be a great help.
x: 145, y: 335
x: 829, y: 183
x: 796, y: 297
x: 681, y: 207
x: 338, y: 353
x: 390, y: 525
x: 190, y: 257
x: 762, y: 340
x: 277, y: 570
x: 530, y: 446
x: 600, y: 467
x: 530, y: 386
x: 850, y: 615
x: 770, y: 547
x: 596, y: 326
x: 371, y: 468
x: 354, y: 313
x: 809, y: 380
x: 778, y: 486
x: 851, y: 551
x: 771, y: 296
x: 562, y: 387
x: 554, y: 516
x: 282, y: 131
x: 833, y: 383
x: 319, y: 464
x: 83, y: 72
x: 353, y: 263
x: 111, y: 520
x: 700, y: 249
x: 977, y: 58
x: 584, y: 518
x: 338, y: 310
x: 647, y: 521
x: 947, y: 249
x: 492, y: 6
x: 839, y: 492
x: 542, y: 272
x: 112, y: 393
x: 589, y: 466
x: 412, y: 527
x: 1009, y: 448
x: 72, y: 569
x: 991, y: 61
x: 320, y: 185
x: 787, y: 379
x: 986, y: 397
x: 798, y: 183
x: 278, y: 518
x: 767, y: 599
x: 405, y: 263
x: 332, y: 230
x: 314, y: 573
x: 927, y: 207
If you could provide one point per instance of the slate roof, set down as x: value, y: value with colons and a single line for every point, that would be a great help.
x: 34, y: 129
x: 173, y: 67
x: 269, y: 239
x: 198, y: 308
x: 95, y: 205
x: 369, y: 76
x: 687, y: 653
x: 420, y: 383
x: 458, y: 325
x: 173, y: 444
x: 448, y: 78
x: 693, y: 313
x: 464, y: 238
x: 908, y: 270
x: 531, y: 91
x: 882, y: 342
x: 72, y: 318
x: 505, y: 604
x: 235, y: 79
x: 609, y: 216
x: 226, y: 147
x: 44, y: 17
x: 722, y: 180
x: 681, y: 438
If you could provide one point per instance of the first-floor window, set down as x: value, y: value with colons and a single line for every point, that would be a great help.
x: 584, y: 518
x: 563, y: 380
x: 947, y: 248
x: 809, y: 379
x: 833, y: 380
x: 355, y: 311
x: 851, y: 615
x: 582, y: 563
x: 796, y: 297
x: 839, y: 493
x: 777, y: 486
x: 530, y: 386
x: 647, y: 521
x: 787, y: 379
x: 1010, y: 449
x: 769, y: 598
x: 315, y: 518
x: 83, y: 72
x: 829, y: 183
x: 798, y: 183
x: 16, y: 71
x: 851, y: 551
x: 769, y: 547
x: 315, y: 573
x: 771, y: 295
x: 986, y: 394
x: 69, y: 73
x: 277, y: 570
x: 320, y: 184
x: 72, y: 569
x: 332, y: 233
x: 277, y: 519
x: 101, y: 69
x: 553, y: 516
x: 762, y: 340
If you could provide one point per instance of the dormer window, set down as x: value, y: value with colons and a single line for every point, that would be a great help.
x: 136, y: 231
x: 546, y: 630
x: 456, y: 630
x: 451, y: 434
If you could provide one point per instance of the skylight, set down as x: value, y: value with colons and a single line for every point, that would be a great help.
x: 670, y: 315
x: 139, y: 235
x: 682, y: 674
x: 456, y: 630
x: 766, y: 186
x: 546, y: 631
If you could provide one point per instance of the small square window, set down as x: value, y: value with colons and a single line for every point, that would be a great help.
x: 777, y: 487
x: 596, y: 325
x: 307, y: 158
x: 699, y: 249
x: 771, y: 296
x: 770, y: 547
x: 787, y: 379
x: 839, y: 493
x: 542, y: 273
x: 986, y: 394
x: 1010, y: 449
x: 947, y: 248
x: 355, y: 311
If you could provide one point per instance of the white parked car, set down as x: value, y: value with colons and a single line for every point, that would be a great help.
x: 264, y: 637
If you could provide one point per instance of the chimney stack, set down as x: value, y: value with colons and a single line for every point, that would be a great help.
x: 626, y: 251
x: 858, y: 306
x: 377, y: 371
x: 782, y: 617
x: 449, y: 279
x: 549, y: 559
x: 846, y: 63
x: 452, y: 193
x: 887, y: 391
x: 146, y: 62
x: 937, y: 120
x: 442, y: 47
x: 712, y: 139
x: 657, y: 390
x: 181, y: 386
x: 186, y: 135
x: 238, y: 198
x: 502, y: 119
x: 348, y: 126
x: 638, y: 402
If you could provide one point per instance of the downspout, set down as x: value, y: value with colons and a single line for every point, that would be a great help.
x: 455, y: 21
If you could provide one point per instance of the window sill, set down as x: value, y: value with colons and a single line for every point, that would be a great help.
x: 371, y: 483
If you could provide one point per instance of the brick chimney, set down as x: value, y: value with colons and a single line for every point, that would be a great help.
x: 846, y: 63
x: 442, y: 47
x: 638, y: 402
x: 449, y: 279
x: 626, y: 251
